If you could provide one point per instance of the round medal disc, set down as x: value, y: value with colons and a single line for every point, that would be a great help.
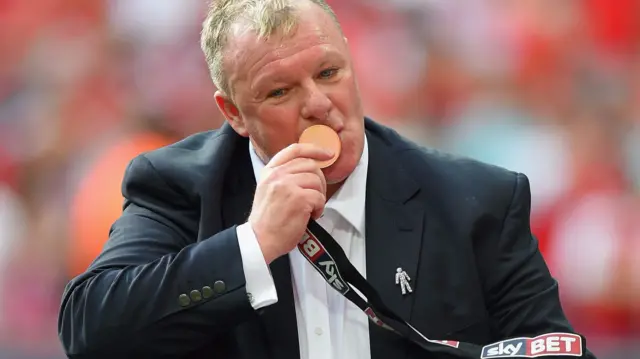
x: 325, y: 137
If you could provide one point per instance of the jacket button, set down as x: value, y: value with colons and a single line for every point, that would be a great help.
x: 196, y: 296
x: 184, y: 300
x: 219, y: 287
x: 207, y: 292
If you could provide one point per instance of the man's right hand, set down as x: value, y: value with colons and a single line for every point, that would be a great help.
x: 291, y: 190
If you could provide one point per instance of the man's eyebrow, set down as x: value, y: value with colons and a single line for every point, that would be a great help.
x: 271, y: 75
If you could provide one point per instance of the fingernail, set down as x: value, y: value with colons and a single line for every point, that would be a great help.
x: 328, y: 152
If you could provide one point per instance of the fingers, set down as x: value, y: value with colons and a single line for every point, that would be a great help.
x: 300, y: 150
x: 298, y: 166
x: 308, y: 180
x: 295, y: 169
x: 301, y: 165
x: 316, y: 201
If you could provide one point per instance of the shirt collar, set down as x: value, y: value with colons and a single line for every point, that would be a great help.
x: 349, y: 200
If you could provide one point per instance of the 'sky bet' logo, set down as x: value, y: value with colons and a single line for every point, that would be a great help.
x: 322, y: 261
x: 544, y: 345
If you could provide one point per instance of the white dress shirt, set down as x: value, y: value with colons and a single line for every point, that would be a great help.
x: 329, y: 326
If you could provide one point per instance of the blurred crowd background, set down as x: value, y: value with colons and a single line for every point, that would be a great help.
x: 550, y: 88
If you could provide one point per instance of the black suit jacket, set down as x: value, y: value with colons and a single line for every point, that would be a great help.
x: 459, y: 228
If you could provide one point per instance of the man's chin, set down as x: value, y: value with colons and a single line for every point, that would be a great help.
x: 341, y: 169
x: 336, y: 175
x: 337, y: 181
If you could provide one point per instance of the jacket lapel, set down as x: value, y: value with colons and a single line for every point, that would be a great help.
x: 278, y: 320
x: 394, y: 226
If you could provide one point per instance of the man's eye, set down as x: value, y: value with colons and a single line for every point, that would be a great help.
x: 328, y: 73
x: 277, y: 93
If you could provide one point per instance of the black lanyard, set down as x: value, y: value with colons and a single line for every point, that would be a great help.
x: 328, y: 258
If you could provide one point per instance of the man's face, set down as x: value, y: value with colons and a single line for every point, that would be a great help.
x: 286, y: 84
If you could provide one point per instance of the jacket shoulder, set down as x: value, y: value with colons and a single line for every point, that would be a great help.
x: 185, y: 151
x: 464, y: 170
x: 181, y: 165
x: 464, y: 178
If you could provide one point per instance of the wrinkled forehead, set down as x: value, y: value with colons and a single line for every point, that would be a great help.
x: 246, y: 53
x: 248, y: 49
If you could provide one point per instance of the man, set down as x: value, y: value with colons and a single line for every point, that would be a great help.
x: 202, y: 262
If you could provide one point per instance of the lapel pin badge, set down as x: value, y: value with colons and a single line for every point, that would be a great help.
x: 403, y: 279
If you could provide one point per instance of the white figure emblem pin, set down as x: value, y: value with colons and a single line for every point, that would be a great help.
x: 403, y: 279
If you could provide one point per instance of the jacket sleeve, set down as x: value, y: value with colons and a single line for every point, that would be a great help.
x: 154, y: 290
x: 521, y: 295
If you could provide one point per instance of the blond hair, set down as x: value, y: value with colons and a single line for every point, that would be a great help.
x: 264, y: 17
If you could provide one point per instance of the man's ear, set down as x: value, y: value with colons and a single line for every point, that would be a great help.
x: 231, y: 113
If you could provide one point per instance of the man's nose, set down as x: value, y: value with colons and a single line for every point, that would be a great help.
x: 317, y: 104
